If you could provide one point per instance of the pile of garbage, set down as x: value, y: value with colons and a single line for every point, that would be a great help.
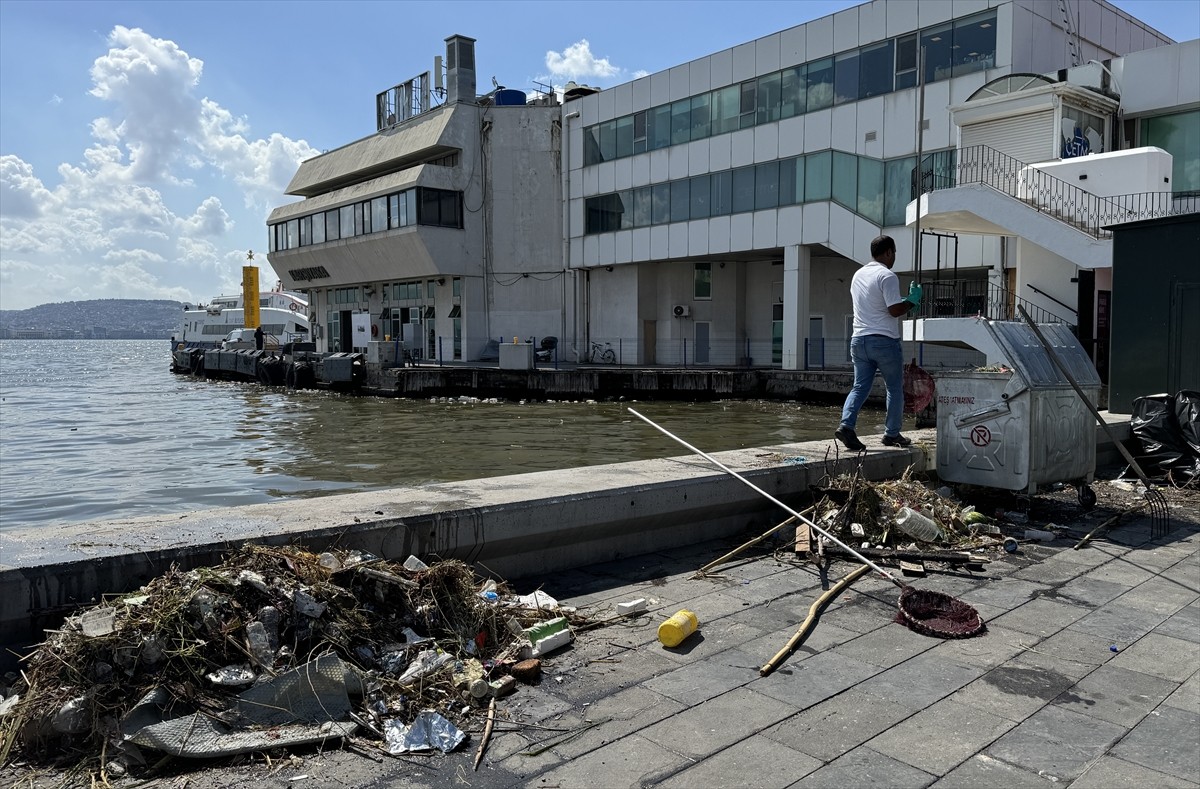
x: 278, y: 646
x: 901, y: 513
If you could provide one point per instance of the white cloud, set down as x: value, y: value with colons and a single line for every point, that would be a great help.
x: 577, y: 61
x: 145, y: 196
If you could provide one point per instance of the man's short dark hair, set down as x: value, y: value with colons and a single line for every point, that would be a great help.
x: 882, y: 245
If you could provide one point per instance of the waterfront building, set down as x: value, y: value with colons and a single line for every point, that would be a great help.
x: 713, y: 213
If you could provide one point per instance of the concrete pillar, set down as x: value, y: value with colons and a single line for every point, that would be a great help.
x: 797, y: 270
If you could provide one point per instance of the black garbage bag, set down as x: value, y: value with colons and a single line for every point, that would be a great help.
x: 1161, y: 436
x: 1187, y: 415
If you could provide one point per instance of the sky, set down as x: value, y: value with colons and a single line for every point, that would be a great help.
x: 143, y: 144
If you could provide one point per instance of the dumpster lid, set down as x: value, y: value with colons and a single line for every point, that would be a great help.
x: 1029, y: 358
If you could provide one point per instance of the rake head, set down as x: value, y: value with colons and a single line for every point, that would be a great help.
x: 1160, y: 513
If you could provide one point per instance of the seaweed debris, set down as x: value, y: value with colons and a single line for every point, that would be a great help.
x: 413, y: 641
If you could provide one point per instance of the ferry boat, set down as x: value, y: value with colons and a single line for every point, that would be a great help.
x: 283, y: 316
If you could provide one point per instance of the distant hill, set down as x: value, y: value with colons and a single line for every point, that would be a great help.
x: 98, y: 318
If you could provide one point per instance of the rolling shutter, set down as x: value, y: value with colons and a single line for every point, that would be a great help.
x: 1028, y: 138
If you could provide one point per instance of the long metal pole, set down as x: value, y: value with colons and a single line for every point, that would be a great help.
x: 920, y: 176
x: 771, y: 498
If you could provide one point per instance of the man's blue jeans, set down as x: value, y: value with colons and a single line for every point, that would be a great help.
x: 870, y: 353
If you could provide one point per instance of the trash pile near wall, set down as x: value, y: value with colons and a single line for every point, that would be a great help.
x: 278, y: 646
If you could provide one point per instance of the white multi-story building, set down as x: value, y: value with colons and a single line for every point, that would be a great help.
x: 714, y: 212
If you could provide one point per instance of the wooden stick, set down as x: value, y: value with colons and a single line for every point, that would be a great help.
x: 487, y: 732
x: 753, y: 542
x: 1111, y: 521
x: 808, y: 624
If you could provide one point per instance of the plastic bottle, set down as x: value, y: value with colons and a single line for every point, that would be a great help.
x: 917, y: 525
x: 681, y: 625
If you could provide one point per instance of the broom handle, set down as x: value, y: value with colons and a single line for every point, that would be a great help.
x: 769, y: 497
x: 806, y: 627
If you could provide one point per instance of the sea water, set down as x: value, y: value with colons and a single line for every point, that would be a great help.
x: 101, y: 429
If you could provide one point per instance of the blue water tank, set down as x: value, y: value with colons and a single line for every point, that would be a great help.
x: 510, y: 98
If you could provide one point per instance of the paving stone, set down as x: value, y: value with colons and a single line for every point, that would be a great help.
x: 1007, y: 593
x: 1187, y: 697
x: 996, y: 646
x: 862, y: 612
x: 712, y: 637
x: 984, y: 772
x: 514, y: 752
x: 1117, y: 624
x: 837, y: 725
x: 1184, y: 623
x: 704, y: 679
x: 941, y: 737
x: 1126, y: 574
x: 701, y: 731
x: 534, y: 704
x: 615, y: 716
x: 821, y: 639
x: 815, y: 679
x: 1116, y: 695
x: 1111, y: 771
x: 1167, y: 740
x: 920, y: 681
x: 756, y: 761
x: 1160, y: 596
x: 1056, y: 742
x: 1090, y: 593
x: 1041, y: 617
x: 887, y: 646
x: 1161, y: 656
x: 862, y: 768
x: 1014, y: 691
x: 593, y: 669
x: 630, y: 762
x: 1071, y: 654
x: 1052, y: 572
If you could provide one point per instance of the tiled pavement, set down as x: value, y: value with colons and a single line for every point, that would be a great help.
x: 1088, y: 676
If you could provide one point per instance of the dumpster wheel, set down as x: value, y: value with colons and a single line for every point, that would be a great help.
x: 1087, y: 497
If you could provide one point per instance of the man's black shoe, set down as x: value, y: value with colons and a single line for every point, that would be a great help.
x: 897, y: 441
x: 849, y: 438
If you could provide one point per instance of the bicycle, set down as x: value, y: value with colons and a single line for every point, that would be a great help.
x: 602, y: 353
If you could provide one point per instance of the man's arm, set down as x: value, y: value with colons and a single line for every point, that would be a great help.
x: 900, y: 308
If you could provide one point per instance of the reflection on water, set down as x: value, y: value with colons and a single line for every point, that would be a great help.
x: 100, y: 429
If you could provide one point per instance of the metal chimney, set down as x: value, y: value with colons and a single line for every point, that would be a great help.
x: 460, y: 69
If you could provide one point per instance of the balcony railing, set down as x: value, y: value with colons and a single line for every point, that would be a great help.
x: 968, y: 298
x: 1082, y: 210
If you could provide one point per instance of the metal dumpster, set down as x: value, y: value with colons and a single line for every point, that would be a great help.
x: 1018, y: 425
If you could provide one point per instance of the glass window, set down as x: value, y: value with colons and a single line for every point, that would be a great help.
x: 641, y: 207
x: 430, y: 212
x: 748, y: 94
x: 766, y: 185
x: 898, y: 189
x: 456, y: 286
x: 624, y: 205
x: 820, y: 84
x: 318, y: 229
x: 639, y: 132
x: 608, y: 141
x: 870, y: 189
x: 408, y: 199
x: 769, y: 87
x: 331, y: 225
x: 906, y: 62
x: 937, y: 42
x: 660, y: 204
x: 974, y: 47
x: 660, y: 127
x: 722, y: 193
x: 293, y: 233
x: 817, y: 172
x: 1081, y: 132
x: 362, y: 213
x: 624, y: 136
x: 700, y: 194
x: 681, y: 121
x: 702, y: 281
x: 701, y: 116
x: 346, y: 220
x: 681, y: 200
x: 591, y: 146
x: 792, y: 92
x: 431, y: 289
x: 791, y: 181
x: 725, y: 109
x: 743, y: 189
x: 305, y: 230
x: 875, y: 70
x: 845, y: 179
x: 845, y: 78
x: 1179, y: 135
x: 393, y: 211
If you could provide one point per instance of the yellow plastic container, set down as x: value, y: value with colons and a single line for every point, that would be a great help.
x: 675, y: 630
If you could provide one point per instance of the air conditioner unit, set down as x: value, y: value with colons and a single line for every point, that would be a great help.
x: 681, y: 310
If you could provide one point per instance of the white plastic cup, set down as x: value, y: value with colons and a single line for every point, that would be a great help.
x: 917, y: 525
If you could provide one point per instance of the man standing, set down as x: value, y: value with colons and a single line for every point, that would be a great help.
x: 258, y: 339
x: 875, y: 344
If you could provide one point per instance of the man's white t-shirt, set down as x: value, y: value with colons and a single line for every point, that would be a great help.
x: 873, y: 289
